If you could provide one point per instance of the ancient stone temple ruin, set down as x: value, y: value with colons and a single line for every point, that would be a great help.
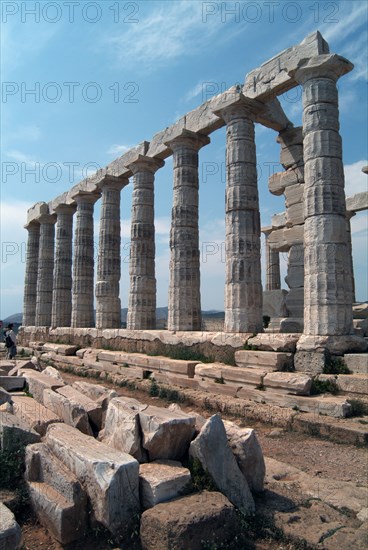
x: 315, y: 231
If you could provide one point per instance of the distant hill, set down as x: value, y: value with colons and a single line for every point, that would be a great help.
x: 15, y: 318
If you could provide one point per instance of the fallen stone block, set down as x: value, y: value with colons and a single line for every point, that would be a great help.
x: 92, y: 408
x: 348, y: 383
x: 54, y: 373
x: 311, y: 362
x: 122, y: 429
x: 292, y: 324
x: 292, y: 382
x: 110, y: 477
x: 174, y: 379
x: 356, y: 362
x: 10, y: 532
x: 188, y: 523
x: 212, y: 450
x: 7, y: 366
x: 272, y: 361
x: 274, y: 303
x: 10, y: 383
x: 5, y: 397
x: 60, y: 349
x: 248, y: 453
x: 34, y: 414
x: 160, y: 481
x: 222, y: 374
x: 56, y: 495
x: 15, y: 433
x: 166, y: 434
x: 38, y: 382
x: 275, y: 342
x: 72, y: 412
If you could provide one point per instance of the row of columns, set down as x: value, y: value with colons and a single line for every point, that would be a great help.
x: 59, y: 292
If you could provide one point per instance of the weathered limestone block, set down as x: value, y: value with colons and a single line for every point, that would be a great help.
x: 336, y: 345
x: 274, y: 303
x: 7, y: 365
x: 211, y: 448
x: 357, y: 202
x: 34, y: 414
x: 293, y: 382
x: 356, y: 362
x: 188, y: 522
x: 360, y: 311
x: 92, y: 408
x: 292, y: 324
x: 295, y: 215
x: 271, y: 361
x: 110, y: 477
x: 291, y: 156
x: 60, y: 349
x: 274, y: 342
x: 294, y: 195
x: 166, y: 434
x: 56, y: 495
x: 69, y: 410
x: 10, y: 383
x: 122, y: 429
x: 22, y: 365
x: 5, y: 397
x: 15, y: 433
x: 348, y: 383
x: 295, y: 302
x: 309, y: 361
x: 279, y: 182
x: 96, y: 392
x: 54, y: 373
x: 161, y: 480
x: 283, y: 239
x: 278, y: 220
x: 222, y: 374
x: 295, y: 268
x: 248, y: 453
x: 10, y: 532
x: 38, y: 382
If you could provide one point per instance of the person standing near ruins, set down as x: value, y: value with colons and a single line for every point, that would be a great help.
x: 10, y: 342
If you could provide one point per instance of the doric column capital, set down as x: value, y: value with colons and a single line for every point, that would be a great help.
x: 84, y: 197
x: 323, y: 66
x: 47, y: 218
x: 65, y: 209
x: 241, y: 106
x: 187, y: 138
x: 113, y: 182
x: 32, y: 226
x: 145, y: 164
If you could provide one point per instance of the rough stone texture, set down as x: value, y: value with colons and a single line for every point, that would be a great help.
x: 211, y: 448
x: 336, y: 345
x: 279, y: 182
x: 142, y: 292
x: 222, y: 374
x: 291, y: 324
x: 60, y: 349
x: 56, y: 495
x: 83, y: 262
x: 35, y: 415
x: 72, y: 413
x: 92, y: 408
x: 248, y: 453
x: 10, y: 383
x: 283, y: 239
x: 274, y: 303
x: 161, y: 480
x: 357, y: 202
x: 31, y: 273
x: 275, y: 342
x: 96, y: 392
x: 122, y: 429
x: 45, y: 270
x: 166, y: 434
x: 360, y: 311
x: 184, y: 289
x: 54, y: 373
x: 15, y: 433
x: 62, y: 283
x: 5, y: 397
x: 328, y: 289
x: 110, y: 477
x: 278, y: 220
x: 295, y: 271
x: 357, y: 362
x: 295, y: 302
x: 309, y: 361
x: 10, y: 532
x: 265, y: 359
x: 108, y: 308
x: 243, y: 287
x: 188, y: 522
x: 38, y: 382
x: 349, y: 383
x: 293, y: 382
x: 273, y: 280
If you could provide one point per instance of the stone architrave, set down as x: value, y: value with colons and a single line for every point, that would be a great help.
x: 108, y: 308
x: 31, y: 273
x: 45, y: 270
x: 184, y: 291
x: 142, y: 294
x: 328, y: 293
x: 273, y: 279
x: 62, y: 290
x: 83, y: 262
x: 243, y: 286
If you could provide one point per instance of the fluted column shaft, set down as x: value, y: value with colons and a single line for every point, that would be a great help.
x: 184, y: 291
x: 45, y: 270
x: 243, y: 285
x: 273, y: 279
x: 108, y: 307
x: 328, y: 293
x: 62, y: 289
x: 142, y: 293
x: 83, y: 262
x: 31, y: 274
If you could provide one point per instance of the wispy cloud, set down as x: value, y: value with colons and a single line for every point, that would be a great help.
x: 348, y: 20
x: 198, y: 89
x: 117, y: 149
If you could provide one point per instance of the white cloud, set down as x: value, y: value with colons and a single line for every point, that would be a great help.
x: 355, y: 180
x: 198, y: 89
x: 347, y: 21
x: 117, y: 149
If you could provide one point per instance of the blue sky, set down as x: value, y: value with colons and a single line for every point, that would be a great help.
x: 85, y: 81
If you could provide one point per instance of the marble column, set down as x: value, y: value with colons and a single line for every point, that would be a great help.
x: 349, y: 215
x: 328, y: 293
x: 83, y: 261
x: 108, y: 307
x: 45, y: 270
x: 31, y: 274
x: 273, y: 278
x: 142, y: 294
x: 184, y: 290
x: 243, y: 285
x: 62, y: 289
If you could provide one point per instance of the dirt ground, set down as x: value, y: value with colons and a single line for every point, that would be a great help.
x: 318, y: 457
